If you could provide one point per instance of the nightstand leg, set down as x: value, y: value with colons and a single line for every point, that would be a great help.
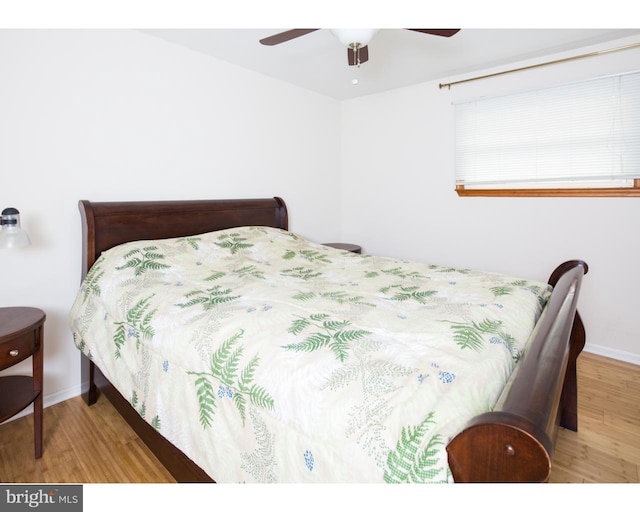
x: 37, y: 425
x: 38, y: 359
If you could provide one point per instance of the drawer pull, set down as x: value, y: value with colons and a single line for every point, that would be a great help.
x: 14, y: 352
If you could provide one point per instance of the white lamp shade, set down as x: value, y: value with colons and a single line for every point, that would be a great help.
x: 12, y: 236
x: 349, y: 36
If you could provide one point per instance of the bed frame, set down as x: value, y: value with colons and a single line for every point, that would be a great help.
x: 513, y: 443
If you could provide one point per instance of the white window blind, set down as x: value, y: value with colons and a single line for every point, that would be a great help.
x: 584, y: 134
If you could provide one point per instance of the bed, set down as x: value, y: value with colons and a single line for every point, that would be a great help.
x: 288, y: 366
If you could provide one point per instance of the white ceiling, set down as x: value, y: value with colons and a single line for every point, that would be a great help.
x: 397, y: 57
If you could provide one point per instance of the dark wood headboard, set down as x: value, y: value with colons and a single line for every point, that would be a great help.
x: 107, y: 224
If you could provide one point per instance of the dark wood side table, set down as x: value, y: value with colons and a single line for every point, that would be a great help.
x: 21, y: 336
x: 346, y: 247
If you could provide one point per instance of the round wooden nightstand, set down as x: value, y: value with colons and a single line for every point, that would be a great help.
x: 346, y: 247
x: 21, y: 336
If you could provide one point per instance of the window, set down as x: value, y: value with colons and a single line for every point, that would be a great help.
x: 579, y: 139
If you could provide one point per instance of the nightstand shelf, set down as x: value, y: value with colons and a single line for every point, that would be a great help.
x: 21, y: 337
x: 17, y: 394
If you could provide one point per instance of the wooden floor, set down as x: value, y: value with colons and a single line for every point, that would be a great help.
x: 94, y: 445
x: 81, y: 445
x: 606, y: 447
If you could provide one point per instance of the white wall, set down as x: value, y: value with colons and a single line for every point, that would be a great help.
x: 120, y: 115
x: 399, y: 200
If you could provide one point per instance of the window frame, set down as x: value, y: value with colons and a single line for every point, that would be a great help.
x: 549, y: 190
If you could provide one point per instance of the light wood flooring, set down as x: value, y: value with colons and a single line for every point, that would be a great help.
x: 94, y: 445
x: 606, y: 447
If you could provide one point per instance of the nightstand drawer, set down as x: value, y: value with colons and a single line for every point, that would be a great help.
x: 17, y: 349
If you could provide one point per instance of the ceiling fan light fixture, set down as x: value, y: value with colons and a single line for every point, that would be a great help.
x: 354, y: 37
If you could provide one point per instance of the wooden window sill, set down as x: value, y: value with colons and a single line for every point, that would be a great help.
x: 552, y: 192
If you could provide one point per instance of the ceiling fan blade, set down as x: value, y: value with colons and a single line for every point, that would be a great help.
x: 287, y: 35
x: 363, y: 55
x: 444, y: 32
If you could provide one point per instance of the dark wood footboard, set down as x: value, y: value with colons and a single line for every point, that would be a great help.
x: 514, y: 442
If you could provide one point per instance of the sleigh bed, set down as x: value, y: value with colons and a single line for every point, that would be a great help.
x: 313, y: 330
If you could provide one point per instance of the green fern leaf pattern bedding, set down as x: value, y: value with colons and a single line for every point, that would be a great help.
x: 268, y: 358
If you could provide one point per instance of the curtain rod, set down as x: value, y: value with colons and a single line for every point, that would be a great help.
x: 566, y: 59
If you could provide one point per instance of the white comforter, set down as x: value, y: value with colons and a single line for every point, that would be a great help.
x: 268, y: 358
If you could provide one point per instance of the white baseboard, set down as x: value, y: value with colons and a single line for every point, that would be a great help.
x: 620, y: 355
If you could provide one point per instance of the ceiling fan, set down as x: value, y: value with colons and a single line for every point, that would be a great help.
x: 356, y: 40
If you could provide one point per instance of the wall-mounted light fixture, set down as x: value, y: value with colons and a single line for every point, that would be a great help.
x: 11, y: 234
